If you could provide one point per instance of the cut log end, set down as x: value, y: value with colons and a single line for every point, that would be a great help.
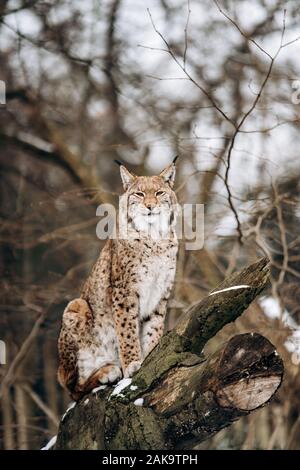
x: 248, y: 394
x: 250, y: 372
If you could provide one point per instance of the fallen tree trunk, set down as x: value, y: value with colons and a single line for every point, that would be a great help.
x: 178, y: 397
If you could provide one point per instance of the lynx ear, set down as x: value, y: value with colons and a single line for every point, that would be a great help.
x: 127, y: 177
x: 168, y: 174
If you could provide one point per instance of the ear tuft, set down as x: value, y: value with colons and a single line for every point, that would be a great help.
x: 168, y: 174
x: 127, y: 177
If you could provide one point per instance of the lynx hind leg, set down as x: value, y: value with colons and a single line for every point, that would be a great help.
x: 153, y: 328
x: 86, y: 363
x: 77, y: 314
x: 76, y: 319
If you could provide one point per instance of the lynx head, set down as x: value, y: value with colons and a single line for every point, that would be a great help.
x: 151, y: 203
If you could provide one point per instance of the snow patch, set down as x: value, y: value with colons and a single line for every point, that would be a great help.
x: 133, y: 387
x: 230, y: 288
x: 50, y: 444
x: 272, y: 309
x: 70, y: 407
x: 101, y: 387
x: 124, y: 383
x: 139, y: 402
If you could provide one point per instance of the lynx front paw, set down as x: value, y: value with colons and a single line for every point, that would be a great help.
x: 109, y: 374
x: 132, y: 368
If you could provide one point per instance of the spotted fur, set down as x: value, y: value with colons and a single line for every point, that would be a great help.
x: 119, y: 317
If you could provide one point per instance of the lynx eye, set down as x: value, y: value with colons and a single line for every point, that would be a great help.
x: 139, y: 194
x: 160, y: 193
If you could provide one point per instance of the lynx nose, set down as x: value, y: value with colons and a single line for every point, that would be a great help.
x: 150, y: 205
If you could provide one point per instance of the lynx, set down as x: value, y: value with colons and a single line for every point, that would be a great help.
x: 119, y: 318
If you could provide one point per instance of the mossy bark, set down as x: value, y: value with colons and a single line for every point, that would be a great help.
x: 186, y: 398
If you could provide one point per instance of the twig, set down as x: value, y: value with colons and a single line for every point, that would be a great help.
x: 37, y: 400
x: 21, y: 354
x: 186, y: 34
x: 241, y: 123
x: 246, y: 36
x: 200, y: 87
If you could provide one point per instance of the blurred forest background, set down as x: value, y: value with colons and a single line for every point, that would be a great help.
x: 88, y: 82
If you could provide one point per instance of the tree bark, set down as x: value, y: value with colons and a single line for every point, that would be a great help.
x: 179, y: 398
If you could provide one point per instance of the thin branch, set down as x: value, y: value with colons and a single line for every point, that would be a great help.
x: 237, y: 131
x: 200, y: 87
x: 186, y: 34
x: 245, y: 35
x: 11, y: 374
x: 39, y: 402
x: 41, y: 44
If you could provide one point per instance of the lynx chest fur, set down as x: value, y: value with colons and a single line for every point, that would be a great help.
x: 155, y: 277
x: 119, y: 318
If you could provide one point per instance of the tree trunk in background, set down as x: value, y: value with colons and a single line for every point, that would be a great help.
x: 50, y: 384
x: 179, y: 398
x: 7, y: 416
x: 21, y: 414
x: 294, y: 440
